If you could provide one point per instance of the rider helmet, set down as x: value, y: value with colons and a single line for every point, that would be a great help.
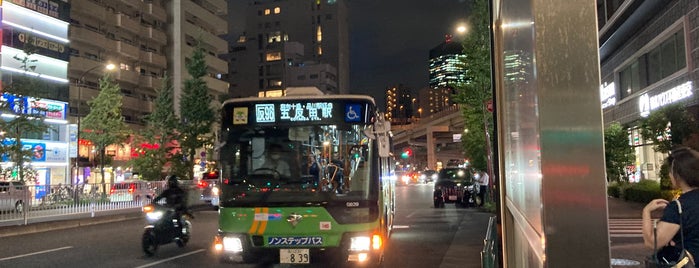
x: 172, y: 181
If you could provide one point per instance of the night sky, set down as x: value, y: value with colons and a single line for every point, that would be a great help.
x: 390, y: 41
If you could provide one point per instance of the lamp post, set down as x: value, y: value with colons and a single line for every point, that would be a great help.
x: 79, y: 83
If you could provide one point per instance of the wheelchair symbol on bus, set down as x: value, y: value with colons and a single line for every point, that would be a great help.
x: 353, y: 113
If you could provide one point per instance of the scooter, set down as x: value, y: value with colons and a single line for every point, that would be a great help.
x: 163, y: 228
x: 472, y: 196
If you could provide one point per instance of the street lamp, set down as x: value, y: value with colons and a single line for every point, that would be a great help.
x: 79, y: 83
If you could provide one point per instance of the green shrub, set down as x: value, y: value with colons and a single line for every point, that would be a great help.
x: 616, y: 189
x: 643, y: 191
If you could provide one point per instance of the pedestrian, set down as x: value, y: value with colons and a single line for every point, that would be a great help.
x: 483, y: 180
x: 684, y: 175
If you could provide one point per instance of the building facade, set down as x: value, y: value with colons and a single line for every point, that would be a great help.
x: 648, y: 54
x: 35, y: 45
x: 144, y: 40
x: 261, y: 61
x: 399, y: 105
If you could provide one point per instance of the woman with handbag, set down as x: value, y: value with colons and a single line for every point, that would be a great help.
x: 678, y: 228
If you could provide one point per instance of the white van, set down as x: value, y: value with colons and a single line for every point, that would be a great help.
x: 134, y: 190
x: 13, y: 196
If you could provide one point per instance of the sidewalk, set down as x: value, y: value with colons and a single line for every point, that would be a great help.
x: 621, y: 209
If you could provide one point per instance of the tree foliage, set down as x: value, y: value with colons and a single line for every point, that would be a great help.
x: 196, y: 113
x: 104, y: 124
x: 477, y: 89
x: 159, y: 137
x: 19, y: 98
x: 666, y: 128
x: 617, y: 152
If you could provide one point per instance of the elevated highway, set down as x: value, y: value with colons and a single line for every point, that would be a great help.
x: 432, y: 139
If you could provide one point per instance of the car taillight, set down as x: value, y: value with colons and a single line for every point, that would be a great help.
x: 202, y: 184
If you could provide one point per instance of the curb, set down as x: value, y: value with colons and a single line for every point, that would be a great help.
x: 65, y: 224
x: 39, y: 227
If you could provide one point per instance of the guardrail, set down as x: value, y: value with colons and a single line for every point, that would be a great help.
x: 489, y: 255
x: 22, y: 205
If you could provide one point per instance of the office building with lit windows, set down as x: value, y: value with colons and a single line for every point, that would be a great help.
x: 648, y: 55
x: 289, y: 43
x: 39, y: 35
x: 445, y: 72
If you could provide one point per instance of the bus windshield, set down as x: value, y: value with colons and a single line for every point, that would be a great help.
x: 297, y: 165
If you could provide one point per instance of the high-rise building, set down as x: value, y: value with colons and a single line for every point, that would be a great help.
x: 445, y: 72
x: 399, y: 105
x: 192, y: 21
x: 290, y: 43
x: 144, y: 40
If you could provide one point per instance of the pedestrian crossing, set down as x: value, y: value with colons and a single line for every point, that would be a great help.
x: 625, y: 228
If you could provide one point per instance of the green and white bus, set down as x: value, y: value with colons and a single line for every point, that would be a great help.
x: 305, y: 179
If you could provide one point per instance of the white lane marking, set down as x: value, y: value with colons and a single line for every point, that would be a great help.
x: 411, y: 214
x: 171, y: 258
x: 401, y: 226
x: 35, y: 253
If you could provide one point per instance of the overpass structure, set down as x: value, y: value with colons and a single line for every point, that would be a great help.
x: 434, y: 139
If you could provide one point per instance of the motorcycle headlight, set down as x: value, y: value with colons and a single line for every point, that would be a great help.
x: 155, y: 215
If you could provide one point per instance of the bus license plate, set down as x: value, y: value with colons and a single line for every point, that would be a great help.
x: 295, y: 255
x: 452, y: 198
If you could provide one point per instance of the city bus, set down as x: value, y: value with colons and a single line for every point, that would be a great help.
x: 331, y: 202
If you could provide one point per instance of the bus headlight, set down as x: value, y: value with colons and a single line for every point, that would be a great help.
x: 365, y: 243
x: 232, y: 244
x: 360, y: 243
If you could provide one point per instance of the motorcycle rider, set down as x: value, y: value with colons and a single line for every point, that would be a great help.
x: 175, y: 197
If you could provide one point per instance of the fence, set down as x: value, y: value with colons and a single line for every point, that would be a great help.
x: 489, y: 255
x: 24, y: 204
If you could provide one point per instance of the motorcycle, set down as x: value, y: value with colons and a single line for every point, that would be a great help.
x: 472, y: 197
x: 164, y: 228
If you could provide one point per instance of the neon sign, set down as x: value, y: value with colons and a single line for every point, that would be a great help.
x: 607, y: 93
x: 648, y: 103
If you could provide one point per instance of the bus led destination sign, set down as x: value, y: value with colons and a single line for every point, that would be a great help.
x: 293, y: 112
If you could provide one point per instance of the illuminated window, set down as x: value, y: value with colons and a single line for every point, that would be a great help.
x: 274, y: 56
x: 319, y: 34
x: 123, y: 66
x: 277, y: 10
x: 267, y: 11
x: 274, y: 93
x: 320, y: 50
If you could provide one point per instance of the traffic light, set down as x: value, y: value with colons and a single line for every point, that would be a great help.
x: 407, y: 153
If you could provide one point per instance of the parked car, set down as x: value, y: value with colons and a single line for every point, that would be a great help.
x: 209, y: 191
x: 133, y: 190
x: 455, y: 185
x: 428, y: 175
x: 13, y: 196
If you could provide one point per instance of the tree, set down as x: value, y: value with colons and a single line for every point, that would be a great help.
x: 104, y: 125
x: 667, y: 128
x: 159, y: 135
x: 617, y: 152
x: 196, y: 113
x: 19, y: 98
x: 473, y: 94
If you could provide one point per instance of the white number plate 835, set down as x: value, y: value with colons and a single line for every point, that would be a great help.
x: 295, y: 255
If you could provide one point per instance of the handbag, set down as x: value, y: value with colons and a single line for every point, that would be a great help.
x: 670, y: 256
